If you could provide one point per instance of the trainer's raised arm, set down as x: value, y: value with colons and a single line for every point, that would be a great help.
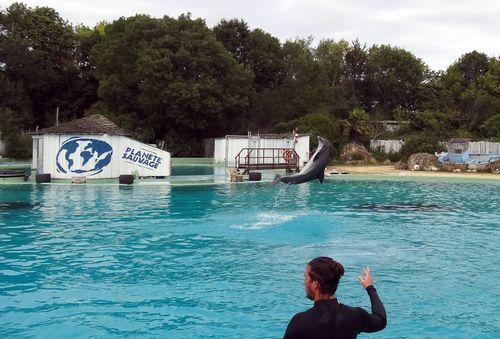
x: 377, y: 320
x: 328, y: 318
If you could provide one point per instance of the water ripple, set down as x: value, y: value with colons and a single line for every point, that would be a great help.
x: 227, y: 260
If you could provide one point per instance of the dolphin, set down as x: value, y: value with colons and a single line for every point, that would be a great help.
x: 16, y: 205
x: 403, y: 207
x: 314, y: 169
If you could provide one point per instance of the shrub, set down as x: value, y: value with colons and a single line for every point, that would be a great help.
x: 381, y: 156
x: 318, y: 124
x: 18, y: 145
x: 420, y: 143
x: 357, y: 157
x: 394, y: 156
x: 491, y: 127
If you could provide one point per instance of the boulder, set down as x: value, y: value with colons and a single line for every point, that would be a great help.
x: 492, y: 167
x: 422, y: 162
x: 451, y: 167
x: 481, y: 168
x: 495, y: 166
x: 355, y: 152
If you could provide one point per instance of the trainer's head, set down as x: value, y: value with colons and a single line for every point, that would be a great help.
x: 321, y: 277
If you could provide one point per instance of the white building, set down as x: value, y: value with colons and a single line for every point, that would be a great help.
x: 226, y: 149
x: 95, y: 148
x: 2, y: 146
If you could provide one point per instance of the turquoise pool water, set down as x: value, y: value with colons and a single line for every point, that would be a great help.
x: 227, y: 260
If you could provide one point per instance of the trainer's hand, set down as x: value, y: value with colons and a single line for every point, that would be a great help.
x: 366, y: 280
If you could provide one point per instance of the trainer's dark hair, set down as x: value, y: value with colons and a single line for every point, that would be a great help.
x: 327, y: 272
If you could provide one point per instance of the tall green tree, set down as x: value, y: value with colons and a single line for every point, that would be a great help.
x: 471, y: 86
x: 394, y: 77
x: 38, y: 53
x: 234, y: 35
x: 305, y: 88
x: 176, y: 78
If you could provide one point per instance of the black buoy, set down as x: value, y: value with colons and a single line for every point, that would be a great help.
x: 255, y: 176
x: 42, y: 178
x: 127, y: 179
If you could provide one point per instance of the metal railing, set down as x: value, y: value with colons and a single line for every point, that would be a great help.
x: 267, y: 158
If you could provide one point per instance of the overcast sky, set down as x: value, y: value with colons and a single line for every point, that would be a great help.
x: 437, y: 31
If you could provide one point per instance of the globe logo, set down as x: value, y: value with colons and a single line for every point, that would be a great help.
x: 83, y: 155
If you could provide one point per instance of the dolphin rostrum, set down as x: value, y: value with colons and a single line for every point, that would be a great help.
x: 314, y: 169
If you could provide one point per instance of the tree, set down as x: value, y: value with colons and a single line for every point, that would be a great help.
x: 394, y: 77
x: 305, y: 88
x: 471, y: 84
x: 265, y: 59
x: 491, y: 127
x: 38, y: 55
x: 331, y: 56
x: 358, y: 127
x: 471, y: 66
x: 234, y: 35
x: 317, y: 124
x: 356, y: 59
x: 176, y: 78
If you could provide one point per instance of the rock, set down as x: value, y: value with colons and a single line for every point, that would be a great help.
x: 78, y: 180
x: 355, y: 152
x: 235, y: 175
x: 422, y: 162
x: 495, y: 166
x: 400, y: 165
x: 450, y: 167
x: 457, y: 170
x: 491, y: 167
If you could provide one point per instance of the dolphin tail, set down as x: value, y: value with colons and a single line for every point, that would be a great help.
x: 277, y: 179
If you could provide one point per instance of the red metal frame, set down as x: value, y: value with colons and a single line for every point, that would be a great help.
x: 266, y: 158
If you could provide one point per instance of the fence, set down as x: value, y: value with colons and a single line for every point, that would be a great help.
x: 388, y: 146
x: 484, y: 147
x: 475, y: 147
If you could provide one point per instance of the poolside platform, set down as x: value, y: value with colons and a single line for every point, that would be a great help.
x: 201, y: 171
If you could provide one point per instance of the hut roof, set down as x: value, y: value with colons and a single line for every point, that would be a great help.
x: 264, y: 136
x: 93, y: 125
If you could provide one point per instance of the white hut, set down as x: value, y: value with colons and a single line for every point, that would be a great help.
x: 226, y: 149
x: 95, y: 148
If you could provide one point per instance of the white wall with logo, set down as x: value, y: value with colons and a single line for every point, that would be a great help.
x: 97, y: 157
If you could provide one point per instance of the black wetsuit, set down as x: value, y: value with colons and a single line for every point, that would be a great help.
x: 330, y: 319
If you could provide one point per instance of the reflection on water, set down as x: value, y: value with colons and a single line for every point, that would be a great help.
x: 192, y: 170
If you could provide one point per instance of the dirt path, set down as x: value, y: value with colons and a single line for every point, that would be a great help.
x: 390, y: 170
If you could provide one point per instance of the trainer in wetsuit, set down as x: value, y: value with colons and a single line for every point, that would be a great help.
x: 328, y: 318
